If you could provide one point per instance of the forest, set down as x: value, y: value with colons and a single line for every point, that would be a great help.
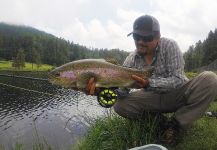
x: 203, y: 53
x: 40, y: 47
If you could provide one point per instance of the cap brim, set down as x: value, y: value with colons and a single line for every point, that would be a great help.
x: 130, y: 34
x: 142, y: 33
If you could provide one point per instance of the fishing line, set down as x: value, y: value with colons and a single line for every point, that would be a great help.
x: 20, y: 88
x: 23, y: 77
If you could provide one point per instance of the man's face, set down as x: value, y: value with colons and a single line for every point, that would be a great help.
x: 145, y: 44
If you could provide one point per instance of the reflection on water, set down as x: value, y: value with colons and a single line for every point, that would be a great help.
x: 29, y: 118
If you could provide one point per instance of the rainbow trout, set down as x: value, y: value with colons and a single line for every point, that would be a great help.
x: 76, y: 74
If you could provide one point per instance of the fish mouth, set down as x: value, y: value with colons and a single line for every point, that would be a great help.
x: 53, y: 76
x: 55, y: 79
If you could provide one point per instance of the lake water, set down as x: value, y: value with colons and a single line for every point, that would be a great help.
x: 29, y: 117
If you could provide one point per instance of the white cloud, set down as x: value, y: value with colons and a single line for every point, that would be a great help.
x: 75, y: 30
x: 186, y: 21
x: 118, y: 35
x: 96, y: 30
x: 79, y: 21
x: 128, y: 15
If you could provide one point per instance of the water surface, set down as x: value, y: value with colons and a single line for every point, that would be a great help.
x: 29, y: 117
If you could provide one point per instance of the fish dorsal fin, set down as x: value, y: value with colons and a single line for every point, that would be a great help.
x: 100, y: 59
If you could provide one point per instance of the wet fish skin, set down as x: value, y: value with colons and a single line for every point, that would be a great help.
x: 76, y: 74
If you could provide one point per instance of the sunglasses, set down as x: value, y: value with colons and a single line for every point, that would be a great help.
x: 148, y: 38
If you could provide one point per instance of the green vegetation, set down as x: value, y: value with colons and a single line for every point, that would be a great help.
x: 7, y: 65
x: 202, y: 135
x: 115, y: 132
x: 203, y: 53
x: 119, y: 133
x: 191, y: 75
x: 19, y: 61
x: 43, y: 48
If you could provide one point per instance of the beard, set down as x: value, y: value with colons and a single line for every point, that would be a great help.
x: 140, y: 53
x: 142, y: 50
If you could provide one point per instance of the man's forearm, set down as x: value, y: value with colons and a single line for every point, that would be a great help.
x: 165, y: 83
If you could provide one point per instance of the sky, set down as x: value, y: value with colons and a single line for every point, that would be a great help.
x: 106, y: 23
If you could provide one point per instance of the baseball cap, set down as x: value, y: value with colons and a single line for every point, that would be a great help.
x: 145, y: 25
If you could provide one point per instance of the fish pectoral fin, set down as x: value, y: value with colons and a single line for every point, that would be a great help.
x: 84, y: 78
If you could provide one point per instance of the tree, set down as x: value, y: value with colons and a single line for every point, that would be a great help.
x: 19, y: 61
x: 41, y: 47
x: 36, y: 58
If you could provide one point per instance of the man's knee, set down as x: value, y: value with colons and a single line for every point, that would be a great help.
x: 207, y: 80
x: 119, y: 109
x: 124, y: 110
x: 209, y: 76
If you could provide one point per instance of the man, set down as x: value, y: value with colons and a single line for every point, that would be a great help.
x: 168, y: 89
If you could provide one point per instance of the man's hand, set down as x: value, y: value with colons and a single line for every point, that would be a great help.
x: 140, y: 81
x: 91, y: 87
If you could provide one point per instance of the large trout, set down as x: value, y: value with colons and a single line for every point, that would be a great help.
x: 76, y: 74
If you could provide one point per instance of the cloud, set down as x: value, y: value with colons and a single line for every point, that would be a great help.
x: 127, y: 15
x: 95, y: 34
x: 186, y: 21
x: 105, y: 24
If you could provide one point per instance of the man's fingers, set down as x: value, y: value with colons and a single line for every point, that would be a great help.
x: 89, y: 84
x: 92, y: 89
x: 138, y: 79
x: 141, y: 82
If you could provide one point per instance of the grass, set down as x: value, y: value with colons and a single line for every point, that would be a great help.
x: 118, y: 133
x: 202, y: 136
x: 191, y: 75
x: 7, y: 65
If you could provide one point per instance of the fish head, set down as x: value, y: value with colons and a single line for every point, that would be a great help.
x: 63, y: 77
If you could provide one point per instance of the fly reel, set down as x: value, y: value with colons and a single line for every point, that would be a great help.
x: 107, y: 97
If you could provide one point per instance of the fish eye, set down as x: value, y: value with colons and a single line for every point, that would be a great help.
x: 54, y: 74
x: 57, y: 74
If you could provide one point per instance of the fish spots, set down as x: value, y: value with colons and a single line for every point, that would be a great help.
x: 105, y: 71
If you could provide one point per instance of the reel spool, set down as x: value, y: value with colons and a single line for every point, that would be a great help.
x: 107, y: 97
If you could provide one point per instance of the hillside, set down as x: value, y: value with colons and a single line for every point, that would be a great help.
x: 47, y: 47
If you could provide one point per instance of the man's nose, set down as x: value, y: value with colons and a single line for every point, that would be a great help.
x: 140, y: 41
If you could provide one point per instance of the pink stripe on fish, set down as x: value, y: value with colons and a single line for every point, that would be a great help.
x: 103, y: 72
x: 68, y: 74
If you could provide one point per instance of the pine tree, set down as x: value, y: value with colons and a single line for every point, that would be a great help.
x: 19, y: 61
